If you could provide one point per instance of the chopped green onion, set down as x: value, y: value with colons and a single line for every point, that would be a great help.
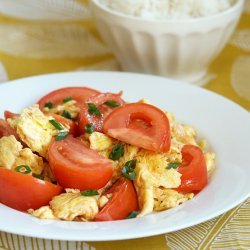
x: 128, y: 171
x: 56, y: 124
x: 112, y: 103
x: 62, y: 135
x: 66, y: 114
x: 89, y: 192
x: 173, y: 165
x: 23, y: 169
x: 89, y: 128
x: 93, y: 110
x: 117, y: 152
x: 67, y: 99
x: 132, y: 215
x: 48, y: 105
x: 38, y: 176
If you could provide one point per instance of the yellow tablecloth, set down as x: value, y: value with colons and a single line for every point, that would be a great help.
x: 43, y: 36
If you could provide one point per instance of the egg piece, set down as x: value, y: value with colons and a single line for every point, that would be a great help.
x: 99, y: 141
x: 12, y: 155
x: 34, y: 128
x: 9, y: 151
x: 210, y: 162
x: 144, y: 189
x: 72, y: 205
x: 168, y: 198
x: 70, y: 107
x: 156, y: 165
x: 130, y: 153
x: 44, y: 212
x: 27, y: 157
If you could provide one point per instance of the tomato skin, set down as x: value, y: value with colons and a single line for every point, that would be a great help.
x: 76, y: 166
x: 79, y: 94
x: 66, y: 122
x: 6, y: 130
x: 9, y: 114
x: 99, y: 100
x: 193, y: 169
x: 22, y: 192
x: 122, y: 203
x: 141, y: 125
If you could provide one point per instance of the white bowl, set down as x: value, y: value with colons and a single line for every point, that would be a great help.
x: 181, y: 49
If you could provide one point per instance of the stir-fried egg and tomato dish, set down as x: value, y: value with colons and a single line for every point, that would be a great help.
x: 82, y: 155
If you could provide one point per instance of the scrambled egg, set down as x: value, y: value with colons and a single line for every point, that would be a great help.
x: 69, y: 107
x: 69, y: 206
x: 167, y: 198
x: 12, y: 155
x: 34, y: 128
x: 72, y: 205
x: 44, y: 212
x: 9, y: 151
x: 210, y: 162
x: 100, y: 142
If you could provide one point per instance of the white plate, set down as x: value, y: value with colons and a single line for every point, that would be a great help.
x: 225, y: 125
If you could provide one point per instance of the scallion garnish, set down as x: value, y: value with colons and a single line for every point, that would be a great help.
x: 173, y: 165
x: 66, y: 114
x: 67, y: 99
x: 112, y: 103
x: 93, y: 110
x: 117, y: 152
x: 89, y: 128
x: 62, y: 135
x: 48, y: 105
x: 56, y: 124
x: 128, y: 171
x: 23, y: 169
x: 89, y: 192
x: 132, y: 215
x: 38, y: 176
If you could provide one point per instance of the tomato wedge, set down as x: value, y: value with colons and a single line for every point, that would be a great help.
x: 6, y: 130
x: 122, y: 203
x: 193, y: 169
x: 79, y: 94
x: 141, y: 125
x: 21, y: 192
x: 9, y: 114
x: 66, y: 123
x: 99, y: 101
x: 76, y: 166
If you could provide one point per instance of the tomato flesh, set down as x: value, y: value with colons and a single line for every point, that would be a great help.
x: 74, y: 165
x: 79, y: 94
x: 141, y: 125
x: 9, y: 114
x: 193, y: 169
x: 6, y: 130
x: 99, y: 100
x: 121, y: 204
x: 22, y: 192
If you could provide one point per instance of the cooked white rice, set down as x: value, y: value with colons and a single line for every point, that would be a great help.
x: 168, y: 9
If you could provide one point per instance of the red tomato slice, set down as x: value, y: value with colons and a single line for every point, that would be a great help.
x: 6, y: 130
x: 141, y: 125
x: 122, y: 203
x: 99, y: 100
x: 66, y: 123
x: 76, y: 166
x: 79, y: 94
x: 193, y: 170
x: 9, y: 114
x: 21, y: 191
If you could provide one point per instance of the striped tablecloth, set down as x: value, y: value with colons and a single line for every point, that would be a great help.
x: 43, y: 36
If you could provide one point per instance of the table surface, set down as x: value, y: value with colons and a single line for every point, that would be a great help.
x: 39, y: 37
